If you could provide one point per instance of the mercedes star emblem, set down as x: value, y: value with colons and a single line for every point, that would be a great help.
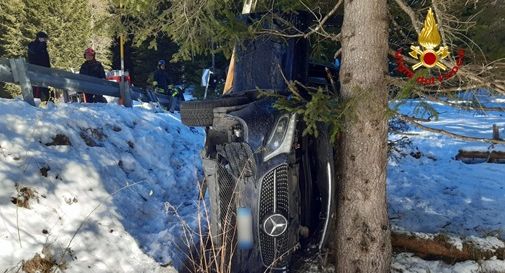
x: 275, y: 225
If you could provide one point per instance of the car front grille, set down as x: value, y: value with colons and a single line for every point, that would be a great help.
x: 274, y: 199
x: 227, y: 204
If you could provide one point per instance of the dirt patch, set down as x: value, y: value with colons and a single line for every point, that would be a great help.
x: 24, y: 197
x: 88, y: 140
x: 92, y: 136
x: 97, y: 133
x: 60, y: 140
x: 44, y: 170
x: 131, y: 144
x: 416, y: 154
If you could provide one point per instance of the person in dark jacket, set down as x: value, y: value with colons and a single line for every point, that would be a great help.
x: 162, y: 80
x: 161, y: 77
x: 94, y: 68
x: 38, y: 55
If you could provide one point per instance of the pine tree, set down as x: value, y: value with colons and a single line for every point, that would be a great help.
x: 101, y: 35
x: 11, y: 17
x: 67, y: 22
x: 11, y: 20
x: 70, y: 24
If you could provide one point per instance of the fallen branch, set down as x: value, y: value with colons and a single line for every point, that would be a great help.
x: 436, y: 9
x: 447, y: 133
x: 440, y: 248
x: 410, y: 12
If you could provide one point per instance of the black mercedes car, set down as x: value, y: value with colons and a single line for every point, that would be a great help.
x: 270, y: 187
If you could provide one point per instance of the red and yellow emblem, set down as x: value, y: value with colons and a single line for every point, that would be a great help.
x: 429, y: 39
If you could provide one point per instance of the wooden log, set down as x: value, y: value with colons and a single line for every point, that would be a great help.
x: 481, y: 156
x: 440, y: 248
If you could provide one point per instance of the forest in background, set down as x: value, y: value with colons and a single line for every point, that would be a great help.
x: 74, y: 25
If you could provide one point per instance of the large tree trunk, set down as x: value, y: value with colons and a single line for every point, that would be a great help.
x: 362, y: 233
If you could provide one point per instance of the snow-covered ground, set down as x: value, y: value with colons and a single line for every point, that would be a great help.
x: 429, y: 191
x: 408, y: 263
x: 109, y: 188
x: 103, y: 181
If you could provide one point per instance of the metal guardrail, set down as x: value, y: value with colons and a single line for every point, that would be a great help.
x: 27, y: 75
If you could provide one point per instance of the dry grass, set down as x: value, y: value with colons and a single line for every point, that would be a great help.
x: 43, y: 263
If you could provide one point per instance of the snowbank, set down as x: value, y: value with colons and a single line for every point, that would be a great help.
x: 101, y: 180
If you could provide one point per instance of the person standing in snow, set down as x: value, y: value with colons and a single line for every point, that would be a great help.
x: 94, y: 68
x: 38, y: 55
x: 162, y: 80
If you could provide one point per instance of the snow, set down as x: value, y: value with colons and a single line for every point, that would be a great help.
x: 407, y: 262
x: 489, y: 242
x: 436, y: 193
x: 112, y: 187
x: 119, y: 194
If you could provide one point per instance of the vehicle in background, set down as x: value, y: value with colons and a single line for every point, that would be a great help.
x: 115, y: 76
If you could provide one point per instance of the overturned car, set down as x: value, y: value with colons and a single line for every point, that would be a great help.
x: 271, y: 189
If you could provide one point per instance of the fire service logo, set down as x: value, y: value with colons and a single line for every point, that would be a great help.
x: 429, y: 54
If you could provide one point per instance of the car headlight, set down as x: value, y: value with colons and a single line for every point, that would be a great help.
x: 281, y: 138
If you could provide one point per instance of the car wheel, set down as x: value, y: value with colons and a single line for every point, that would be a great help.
x: 200, y: 113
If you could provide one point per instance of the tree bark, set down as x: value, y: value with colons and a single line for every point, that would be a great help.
x: 362, y: 229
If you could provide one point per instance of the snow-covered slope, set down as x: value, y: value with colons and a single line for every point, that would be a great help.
x: 101, y: 180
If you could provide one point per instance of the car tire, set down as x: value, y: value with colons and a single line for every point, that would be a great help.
x: 200, y: 113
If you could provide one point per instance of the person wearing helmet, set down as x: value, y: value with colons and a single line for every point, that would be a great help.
x: 38, y: 55
x: 162, y: 81
x: 94, y: 68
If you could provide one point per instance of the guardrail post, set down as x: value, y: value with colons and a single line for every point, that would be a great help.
x: 124, y: 93
x: 496, y: 132
x: 66, y: 97
x: 18, y: 67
